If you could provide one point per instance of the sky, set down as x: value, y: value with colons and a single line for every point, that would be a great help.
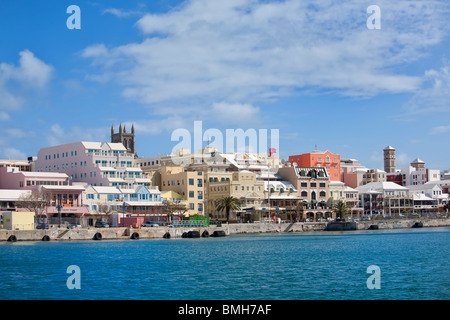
x: 314, y: 71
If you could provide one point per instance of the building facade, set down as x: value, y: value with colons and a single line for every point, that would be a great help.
x: 319, y: 159
x: 93, y: 163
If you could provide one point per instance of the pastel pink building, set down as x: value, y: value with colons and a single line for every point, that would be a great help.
x: 53, y: 184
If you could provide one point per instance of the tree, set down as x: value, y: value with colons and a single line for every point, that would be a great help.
x: 36, y: 201
x: 228, y: 204
x: 174, y: 208
x: 341, y: 210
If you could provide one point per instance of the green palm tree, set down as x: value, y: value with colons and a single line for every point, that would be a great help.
x: 341, y: 210
x: 228, y: 204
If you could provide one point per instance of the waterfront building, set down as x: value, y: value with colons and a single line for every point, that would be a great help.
x: 312, y: 185
x: 385, y: 198
x: 189, y: 184
x: 444, y: 184
x: 389, y: 159
x: 93, y: 163
x: 14, y: 178
x: 14, y: 220
x: 242, y: 185
x: 318, y: 159
x: 9, y: 198
x: 428, y: 197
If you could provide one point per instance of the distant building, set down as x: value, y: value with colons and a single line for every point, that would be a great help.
x: 23, y: 165
x: 389, y: 159
x: 417, y: 174
x: 125, y: 138
x: 320, y: 159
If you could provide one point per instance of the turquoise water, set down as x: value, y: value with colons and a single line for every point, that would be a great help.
x: 414, y: 264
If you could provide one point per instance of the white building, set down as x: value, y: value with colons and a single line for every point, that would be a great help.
x: 427, y: 196
x: 94, y: 163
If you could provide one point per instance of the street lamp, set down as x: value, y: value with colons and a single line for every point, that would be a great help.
x: 59, y: 212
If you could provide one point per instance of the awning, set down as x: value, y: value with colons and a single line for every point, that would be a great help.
x: 265, y: 209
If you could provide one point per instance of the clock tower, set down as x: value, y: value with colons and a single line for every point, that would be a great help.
x: 389, y: 159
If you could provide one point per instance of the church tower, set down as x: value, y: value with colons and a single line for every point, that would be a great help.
x: 389, y: 159
x: 124, y: 137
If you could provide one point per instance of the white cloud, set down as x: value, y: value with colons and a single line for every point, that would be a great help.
x: 234, y: 113
x: 32, y: 73
x: 440, y: 130
x: 121, y: 13
x: 247, y: 51
x: 434, y: 96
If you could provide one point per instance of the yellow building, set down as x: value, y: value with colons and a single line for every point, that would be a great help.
x: 189, y: 184
x: 172, y: 197
x: 18, y: 220
x: 243, y: 185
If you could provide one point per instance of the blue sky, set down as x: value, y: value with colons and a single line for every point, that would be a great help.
x: 313, y: 71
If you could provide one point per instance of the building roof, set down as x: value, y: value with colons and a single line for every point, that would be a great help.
x: 417, y: 160
x: 13, y: 195
x: 389, y: 148
x: 380, y: 186
x: 110, y: 190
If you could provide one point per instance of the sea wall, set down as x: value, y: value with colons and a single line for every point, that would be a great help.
x: 106, y: 233
x: 238, y: 228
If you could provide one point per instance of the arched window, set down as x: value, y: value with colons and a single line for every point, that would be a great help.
x: 322, y: 194
x: 304, y: 194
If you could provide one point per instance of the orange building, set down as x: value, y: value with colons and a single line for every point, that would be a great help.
x: 320, y: 159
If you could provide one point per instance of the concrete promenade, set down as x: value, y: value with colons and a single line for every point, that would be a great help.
x: 62, y: 234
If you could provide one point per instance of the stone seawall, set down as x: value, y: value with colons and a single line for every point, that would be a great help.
x: 106, y: 233
x: 238, y: 228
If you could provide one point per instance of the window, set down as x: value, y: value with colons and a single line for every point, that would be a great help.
x: 322, y: 194
x: 304, y: 194
x: 322, y: 185
x: 313, y: 184
x: 191, y: 194
x: 304, y: 184
x: 191, y: 206
x: 191, y: 182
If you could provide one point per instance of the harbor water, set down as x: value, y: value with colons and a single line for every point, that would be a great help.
x: 413, y: 264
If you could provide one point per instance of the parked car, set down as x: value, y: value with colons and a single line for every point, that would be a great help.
x: 150, y: 224
x: 42, y: 226
x: 101, y: 224
x: 74, y: 225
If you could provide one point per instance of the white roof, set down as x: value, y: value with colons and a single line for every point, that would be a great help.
x: 389, y: 148
x: 12, y: 195
x: 417, y: 160
x: 92, y: 145
x: 379, y: 186
x: 143, y: 203
x: 279, y: 184
x: 44, y: 174
x: 421, y: 197
x: 100, y: 189
x: 68, y: 188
